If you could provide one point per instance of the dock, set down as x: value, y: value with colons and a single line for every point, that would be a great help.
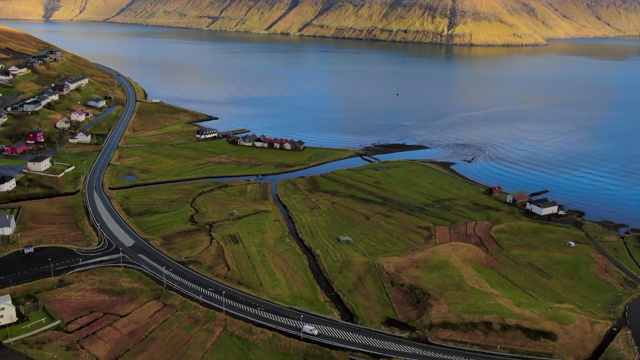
x: 235, y: 132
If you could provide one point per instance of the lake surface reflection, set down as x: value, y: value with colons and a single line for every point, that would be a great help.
x: 563, y: 117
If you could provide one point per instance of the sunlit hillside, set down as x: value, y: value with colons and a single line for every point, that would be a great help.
x: 477, y: 22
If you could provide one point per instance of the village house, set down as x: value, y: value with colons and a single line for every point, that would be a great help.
x: 35, y: 138
x: 247, y: 140
x: 542, y: 207
x: 206, y: 133
x: 3, y: 116
x: 6, y: 75
x: 29, y: 105
x: 39, y: 163
x: 7, y: 183
x: 517, y: 197
x: 62, y: 88
x: 97, y: 103
x: 77, y: 82
x: 260, y: 142
x: 46, y: 56
x: 18, y: 70
x: 81, y: 137
x: 63, y: 123
x: 48, y: 97
x: 78, y: 115
x: 7, y: 311
x: 15, y: 149
x: 7, y: 224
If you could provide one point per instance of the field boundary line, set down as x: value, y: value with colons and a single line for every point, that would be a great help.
x: 55, y: 323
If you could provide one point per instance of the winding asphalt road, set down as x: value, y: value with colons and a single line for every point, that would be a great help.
x: 122, y: 246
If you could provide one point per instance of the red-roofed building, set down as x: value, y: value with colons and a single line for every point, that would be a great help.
x: 78, y: 115
x: 35, y: 136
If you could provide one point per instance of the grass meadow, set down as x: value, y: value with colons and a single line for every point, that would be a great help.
x: 232, y: 232
x: 200, y: 159
x: 435, y: 252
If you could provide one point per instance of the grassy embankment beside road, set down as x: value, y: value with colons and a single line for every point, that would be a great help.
x: 129, y: 316
x: 434, y: 252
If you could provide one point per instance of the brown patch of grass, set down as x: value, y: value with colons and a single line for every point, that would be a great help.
x: 83, y: 321
x: 95, y: 346
x: 200, y: 343
x: 442, y: 234
x: 230, y: 159
x: 74, y: 302
x: 94, y: 327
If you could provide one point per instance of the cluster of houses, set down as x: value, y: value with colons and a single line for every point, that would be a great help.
x: 39, y: 101
x: 267, y: 142
x: 541, y: 206
x: 36, y: 60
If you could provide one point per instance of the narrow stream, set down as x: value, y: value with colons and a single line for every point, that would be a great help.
x: 318, y: 275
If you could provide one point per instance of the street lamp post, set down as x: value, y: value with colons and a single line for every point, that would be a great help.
x: 19, y: 241
x: 121, y: 258
x: 301, y: 327
x: 223, y: 309
x: 51, y: 265
x: 164, y: 277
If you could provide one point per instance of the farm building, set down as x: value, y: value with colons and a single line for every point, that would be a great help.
x: 7, y: 224
x: 517, y: 197
x: 97, y: 103
x: 40, y: 163
x: 7, y: 311
x: 7, y: 183
x: 345, y: 239
x: 206, y: 133
x: 543, y: 208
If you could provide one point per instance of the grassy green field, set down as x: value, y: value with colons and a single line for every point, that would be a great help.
x: 232, y: 232
x: 199, y: 159
x: 402, y: 265
x: 155, y: 123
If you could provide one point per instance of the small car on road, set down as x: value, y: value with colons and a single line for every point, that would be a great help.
x: 309, y: 329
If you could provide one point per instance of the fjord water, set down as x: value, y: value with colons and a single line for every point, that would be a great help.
x: 563, y: 117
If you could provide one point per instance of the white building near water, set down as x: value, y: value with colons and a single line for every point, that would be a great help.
x: 7, y: 311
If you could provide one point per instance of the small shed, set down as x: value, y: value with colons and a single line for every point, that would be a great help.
x: 345, y: 239
x: 63, y: 123
x: 97, y: 103
x: 517, y: 197
x: 7, y: 224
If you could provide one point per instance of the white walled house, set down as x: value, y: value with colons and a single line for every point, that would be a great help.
x: 81, y: 137
x: 7, y: 183
x: 40, y: 163
x: 545, y: 208
x: 7, y: 311
x: 63, y: 123
x: 97, y: 103
x: 7, y: 224
x: 78, y: 115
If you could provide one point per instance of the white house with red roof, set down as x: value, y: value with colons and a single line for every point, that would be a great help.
x: 78, y: 115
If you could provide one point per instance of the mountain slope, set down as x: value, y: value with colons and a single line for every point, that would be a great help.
x: 476, y: 22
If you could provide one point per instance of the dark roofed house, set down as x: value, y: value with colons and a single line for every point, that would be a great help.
x: 7, y: 182
x: 299, y: 145
x: 544, y: 208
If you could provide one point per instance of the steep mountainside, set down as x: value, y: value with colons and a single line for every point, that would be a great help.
x: 478, y: 22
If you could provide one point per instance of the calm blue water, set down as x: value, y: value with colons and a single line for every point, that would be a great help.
x: 563, y: 117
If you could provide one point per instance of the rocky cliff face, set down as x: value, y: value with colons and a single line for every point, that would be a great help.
x: 469, y: 22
